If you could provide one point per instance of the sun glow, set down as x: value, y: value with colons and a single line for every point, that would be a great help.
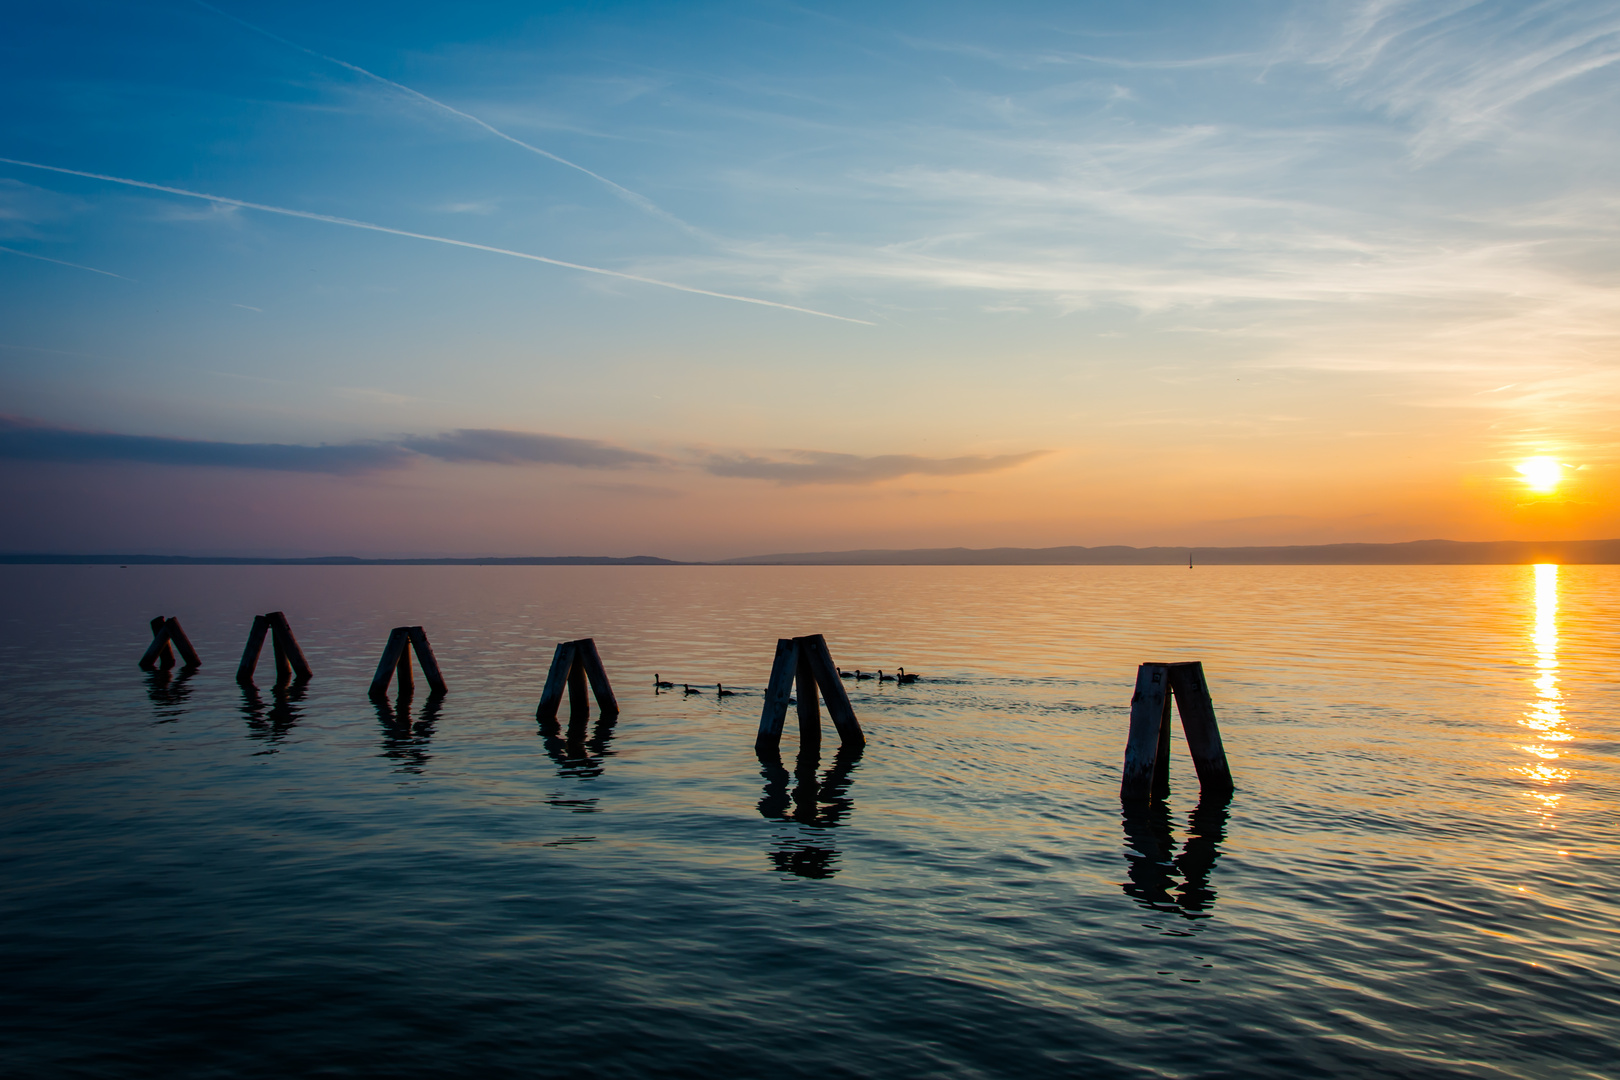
x: 1541, y: 473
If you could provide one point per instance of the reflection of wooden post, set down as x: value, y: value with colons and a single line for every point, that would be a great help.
x: 1147, y: 747
x: 575, y: 665
x: 167, y: 632
x: 807, y: 661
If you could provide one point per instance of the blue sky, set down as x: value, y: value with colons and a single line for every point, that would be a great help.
x: 986, y: 274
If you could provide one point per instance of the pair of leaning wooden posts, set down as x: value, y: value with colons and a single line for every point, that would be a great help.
x: 1147, y: 747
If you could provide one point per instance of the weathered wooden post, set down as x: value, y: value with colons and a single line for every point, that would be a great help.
x: 166, y: 632
x: 289, y: 657
x: 808, y: 662
x: 396, y: 659
x: 1147, y: 747
x: 574, y: 665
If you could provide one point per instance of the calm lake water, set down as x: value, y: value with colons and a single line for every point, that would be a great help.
x: 1416, y: 877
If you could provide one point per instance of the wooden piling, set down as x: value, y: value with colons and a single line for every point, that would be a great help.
x: 1198, y: 721
x: 250, y: 652
x: 575, y: 666
x: 168, y: 638
x: 1147, y: 719
x: 393, y: 653
x: 1147, y: 746
x: 281, y: 632
x: 808, y: 662
x: 159, y: 650
x: 424, y: 657
x: 777, y: 691
x: 182, y: 644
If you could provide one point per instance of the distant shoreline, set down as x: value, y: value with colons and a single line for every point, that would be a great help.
x: 1412, y: 553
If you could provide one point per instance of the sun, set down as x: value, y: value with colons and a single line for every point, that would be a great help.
x: 1541, y: 473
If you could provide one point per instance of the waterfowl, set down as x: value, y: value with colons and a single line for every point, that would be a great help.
x: 720, y: 691
x: 842, y: 674
x: 860, y: 675
x: 688, y: 690
x: 884, y: 678
x: 904, y: 678
x: 660, y: 684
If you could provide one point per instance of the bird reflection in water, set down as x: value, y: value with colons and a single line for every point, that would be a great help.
x: 1545, y: 713
x: 271, y: 723
x: 168, y: 692
x: 814, y: 803
x: 1164, y: 881
x: 405, y: 742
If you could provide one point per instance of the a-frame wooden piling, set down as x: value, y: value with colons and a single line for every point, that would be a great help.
x: 574, y: 666
x: 166, y: 632
x: 808, y: 662
x: 1147, y: 747
x: 396, y: 660
x: 289, y: 658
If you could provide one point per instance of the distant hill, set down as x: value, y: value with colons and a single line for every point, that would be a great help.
x: 1413, y: 553
x: 330, y: 560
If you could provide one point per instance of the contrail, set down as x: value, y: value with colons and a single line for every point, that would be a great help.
x: 353, y: 224
x: 63, y: 262
x: 634, y: 198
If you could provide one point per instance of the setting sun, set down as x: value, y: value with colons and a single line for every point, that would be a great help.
x: 1541, y: 473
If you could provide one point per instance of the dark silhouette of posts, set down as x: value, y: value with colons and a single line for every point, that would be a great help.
x: 573, y: 665
x: 396, y: 659
x: 290, y: 660
x: 807, y: 662
x: 166, y: 632
x: 1147, y: 748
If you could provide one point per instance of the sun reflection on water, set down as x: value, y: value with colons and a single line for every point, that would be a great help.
x: 1545, y: 715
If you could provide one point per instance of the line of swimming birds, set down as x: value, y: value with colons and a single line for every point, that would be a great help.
x: 901, y: 677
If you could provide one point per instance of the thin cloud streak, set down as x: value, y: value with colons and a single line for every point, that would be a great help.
x: 634, y: 198
x: 821, y: 467
x: 354, y: 224
x: 62, y: 262
x: 22, y: 440
x: 523, y: 448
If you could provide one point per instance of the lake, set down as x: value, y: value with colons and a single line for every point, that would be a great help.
x: 1416, y: 877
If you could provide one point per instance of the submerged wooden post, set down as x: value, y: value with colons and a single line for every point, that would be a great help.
x: 575, y: 665
x: 808, y: 662
x: 166, y: 632
x: 290, y: 662
x: 1147, y: 747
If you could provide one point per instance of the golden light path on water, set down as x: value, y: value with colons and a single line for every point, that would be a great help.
x: 1545, y: 715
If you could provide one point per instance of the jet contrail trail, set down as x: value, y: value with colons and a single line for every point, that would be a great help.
x: 63, y: 262
x: 353, y: 224
x: 636, y: 199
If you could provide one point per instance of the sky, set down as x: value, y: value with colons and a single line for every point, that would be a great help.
x: 709, y: 280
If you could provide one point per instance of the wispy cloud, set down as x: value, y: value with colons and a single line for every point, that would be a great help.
x: 1458, y: 68
x: 796, y: 467
x: 61, y: 262
x: 368, y: 226
x: 633, y: 198
x: 523, y: 448
x: 23, y: 440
